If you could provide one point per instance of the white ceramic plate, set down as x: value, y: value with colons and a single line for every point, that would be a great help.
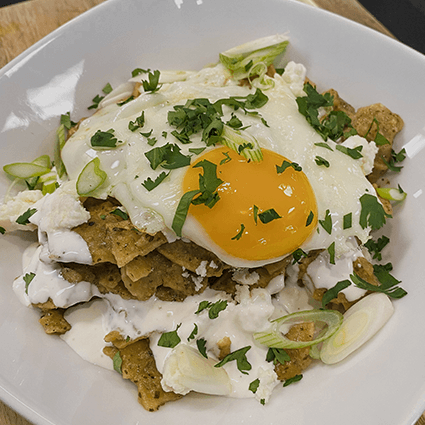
x: 41, y: 377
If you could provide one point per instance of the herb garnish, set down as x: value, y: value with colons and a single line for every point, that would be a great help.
x: 97, y: 99
x: 239, y: 234
x: 297, y: 255
x: 149, y: 184
x: 202, y: 346
x: 253, y: 386
x: 214, y: 309
x: 168, y: 156
x: 139, y: 122
x: 2, y: 230
x: 28, y: 279
x: 23, y: 219
x: 309, y: 219
x: 117, y: 362
x: 353, y: 152
x: 277, y: 355
x: 375, y: 248
x: 331, y: 251
x: 327, y: 222
x: 395, y: 157
x: 290, y: 381
x: 241, y: 360
x: 347, y: 221
x: 104, y: 139
x: 169, y: 339
x: 66, y: 121
x: 268, y: 216
x: 151, y: 85
x: 333, y: 292
x: 372, y: 212
x: 120, y: 213
x: 285, y: 164
x: 322, y: 161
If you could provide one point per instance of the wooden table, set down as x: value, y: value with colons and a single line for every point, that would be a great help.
x: 22, y: 24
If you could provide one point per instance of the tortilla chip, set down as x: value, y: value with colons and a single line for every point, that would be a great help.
x: 54, y: 323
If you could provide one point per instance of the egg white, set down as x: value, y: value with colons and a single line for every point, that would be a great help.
x: 337, y: 188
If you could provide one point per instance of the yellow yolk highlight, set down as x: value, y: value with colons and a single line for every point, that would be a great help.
x: 249, y: 186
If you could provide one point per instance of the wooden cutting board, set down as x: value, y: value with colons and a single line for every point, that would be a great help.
x: 23, y: 24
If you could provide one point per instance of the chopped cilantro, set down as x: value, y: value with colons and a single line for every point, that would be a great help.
x: 309, y: 219
x: 208, y: 184
x: 372, y: 212
x: 323, y: 145
x: 268, y: 216
x: 66, y: 121
x: 322, y: 161
x: 253, y: 386
x: 168, y: 156
x: 120, y: 213
x: 151, y: 85
x: 333, y: 292
x: 255, y: 210
x: 202, y: 346
x: 234, y: 122
x: 104, y: 139
x: 2, y: 230
x: 138, y: 71
x: 226, y: 158
x: 193, y: 333
x: 290, y: 381
x: 239, y: 234
x: 285, y: 164
x: 182, y: 210
x: 203, y: 305
x: 149, y: 184
x: 96, y: 100
x: 395, y: 157
x: 196, y: 151
x: 354, y: 152
x: 277, y: 355
x: 139, y: 122
x: 28, y: 279
x: 347, y: 221
x: 129, y: 99
x: 107, y: 89
x: 169, y: 339
x: 214, y: 309
x: 240, y: 357
x: 327, y: 222
x: 297, y: 255
x: 375, y: 248
x: 331, y: 251
x: 24, y: 218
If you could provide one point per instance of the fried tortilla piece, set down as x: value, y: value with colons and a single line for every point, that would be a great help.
x: 54, y: 323
x: 300, y: 358
x: 340, y: 303
x: 388, y: 208
x: 138, y: 365
x: 138, y: 268
x: 340, y: 104
x: 224, y: 345
x: 389, y: 125
x: 127, y: 242
x: 192, y: 257
x: 364, y: 269
x: 48, y: 305
x: 95, y: 231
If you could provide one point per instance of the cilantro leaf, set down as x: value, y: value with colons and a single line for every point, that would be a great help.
x: 96, y: 100
x: 290, y: 381
x: 372, y: 212
x: 193, y: 333
x: 321, y: 161
x: 202, y: 306
x: 120, y: 213
x: 202, y: 346
x: 239, y: 234
x: 168, y: 156
x: 277, y: 355
x: 327, y: 222
x: 240, y: 357
x: 196, y: 151
x: 253, y: 386
x: 2, y: 230
x: 182, y: 210
x: 309, y: 219
x: 395, y: 157
x: 149, y: 184
x: 323, y: 145
x: 226, y: 159
x: 28, y: 279
x: 234, y: 122
x: 169, y: 339
x: 139, y: 122
x: 333, y: 292
x: 353, y: 152
x: 387, y: 287
x: 104, y: 139
x: 331, y: 251
x: 255, y: 211
x: 214, y: 309
x: 268, y: 216
x: 138, y: 71
x: 375, y: 248
x: 24, y: 218
x: 285, y: 164
x: 107, y: 89
x: 297, y: 255
x: 66, y: 121
x: 151, y: 85
x: 347, y: 221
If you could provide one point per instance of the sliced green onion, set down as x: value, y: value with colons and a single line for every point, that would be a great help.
x: 361, y: 321
x: 25, y: 170
x: 241, y: 59
x: 49, y: 187
x: 391, y: 194
x: 242, y: 143
x: 60, y: 143
x: 43, y: 160
x: 90, y: 178
x: 274, y: 337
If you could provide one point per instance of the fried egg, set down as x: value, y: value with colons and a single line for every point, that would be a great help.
x: 303, y: 197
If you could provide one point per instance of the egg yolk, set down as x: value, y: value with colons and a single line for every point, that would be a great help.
x: 250, y: 190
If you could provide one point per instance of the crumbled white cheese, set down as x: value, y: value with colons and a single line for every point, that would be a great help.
x: 202, y: 269
x: 244, y: 277
x: 368, y: 151
x: 294, y: 76
x: 213, y: 265
x: 198, y: 282
x: 268, y: 381
x: 15, y: 207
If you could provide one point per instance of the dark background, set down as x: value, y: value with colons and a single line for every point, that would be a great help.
x: 404, y: 18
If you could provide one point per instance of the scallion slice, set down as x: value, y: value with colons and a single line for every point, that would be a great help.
x: 242, y: 143
x: 25, y: 170
x: 90, y: 178
x: 391, y: 194
x: 274, y: 337
x: 60, y: 143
